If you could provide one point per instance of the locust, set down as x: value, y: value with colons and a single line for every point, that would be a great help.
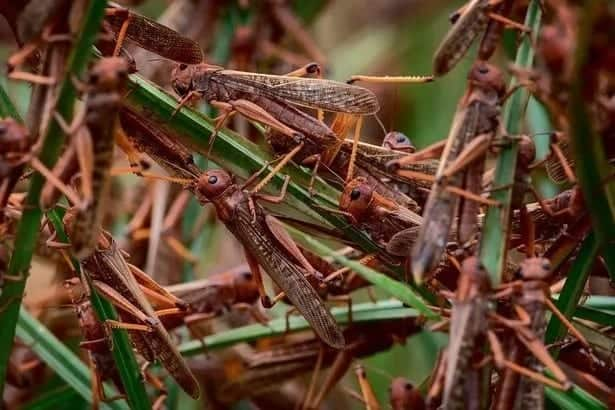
x: 33, y: 24
x: 467, y: 335
x: 96, y: 343
x: 530, y: 300
x: 271, y: 99
x: 460, y: 170
x: 114, y: 278
x: 274, y: 100
x: 267, y: 244
x: 370, y: 162
x: 93, y: 139
x: 378, y: 215
x: 474, y: 20
x: 208, y: 298
x: 267, y: 369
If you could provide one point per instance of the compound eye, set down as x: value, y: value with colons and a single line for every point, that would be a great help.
x: 401, y: 138
x: 355, y: 194
x: 212, y: 180
x: 183, y: 66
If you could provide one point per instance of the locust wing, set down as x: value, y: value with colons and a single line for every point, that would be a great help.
x: 315, y: 93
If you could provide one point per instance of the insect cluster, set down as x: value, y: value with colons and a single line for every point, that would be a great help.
x: 461, y: 233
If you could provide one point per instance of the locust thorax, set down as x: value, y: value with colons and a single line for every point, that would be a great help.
x: 213, y: 183
x: 398, y: 141
x: 473, y: 279
x: 181, y: 79
x: 536, y: 268
x: 487, y: 77
x: 357, y: 198
x: 14, y: 141
x: 109, y: 74
x: 527, y: 153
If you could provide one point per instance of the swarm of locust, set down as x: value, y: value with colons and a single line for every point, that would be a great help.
x: 422, y: 211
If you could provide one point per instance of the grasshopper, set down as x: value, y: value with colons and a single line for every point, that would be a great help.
x: 474, y: 126
x: 95, y: 341
x: 467, y: 334
x: 273, y: 100
x: 208, y: 298
x: 93, y: 139
x: 267, y: 244
x: 381, y: 217
x: 530, y: 300
x: 118, y: 281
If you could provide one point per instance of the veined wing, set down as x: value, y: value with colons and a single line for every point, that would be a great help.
x: 159, y: 341
x: 317, y: 93
x: 157, y: 38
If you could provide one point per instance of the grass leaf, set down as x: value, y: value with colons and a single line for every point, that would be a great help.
x: 497, y: 222
x: 363, y: 312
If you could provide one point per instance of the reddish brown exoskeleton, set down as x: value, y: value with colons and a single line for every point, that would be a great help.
x: 208, y: 298
x: 405, y: 396
x: 381, y: 217
x: 267, y: 244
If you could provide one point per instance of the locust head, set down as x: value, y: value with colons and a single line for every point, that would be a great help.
x: 398, y: 141
x: 182, y: 79
x: 213, y: 183
x: 14, y: 143
x: 109, y: 74
x: 535, y: 268
x: 487, y: 77
x: 357, y: 198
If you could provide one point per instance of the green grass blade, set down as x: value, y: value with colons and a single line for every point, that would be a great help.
x: 574, y: 399
x: 595, y: 315
x: 123, y: 355
x: 495, y: 232
x: 573, y: 289
x: 55, y: 399
x: 363, y: 312
x: 28, y: 229
x: 600, y: 302
x: 59, y: 358
x: 7, y: 108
